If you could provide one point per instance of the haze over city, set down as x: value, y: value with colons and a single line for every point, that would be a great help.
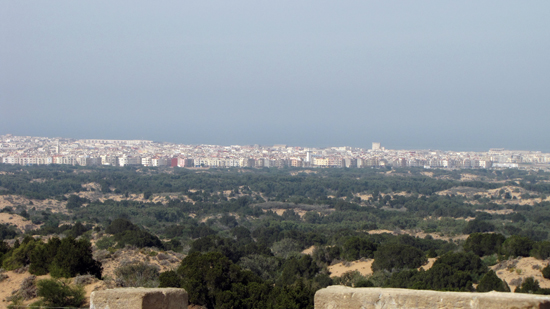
x: 414, y: 75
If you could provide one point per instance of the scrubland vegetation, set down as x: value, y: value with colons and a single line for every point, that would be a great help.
x: 241, y: 232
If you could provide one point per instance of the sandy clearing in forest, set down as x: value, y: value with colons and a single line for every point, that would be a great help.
x: 21, y: 223
x: 280, y: 211
x: 16, y: 200
x: 363, y: 267
x: 429, y: 265
x: 309, y: 250
x: 382, y: 232
x: 496, y: 212
x: 421, y: 234
x: 303, y: 172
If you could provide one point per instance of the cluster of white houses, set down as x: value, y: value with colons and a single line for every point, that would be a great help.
x: 28, y: 150
x: 308, y: 161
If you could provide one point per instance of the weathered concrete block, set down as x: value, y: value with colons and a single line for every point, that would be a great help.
x: 340, y: 297
x: 139, y: 298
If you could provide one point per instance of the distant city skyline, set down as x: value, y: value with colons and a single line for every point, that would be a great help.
x: 411, y: 74
x: 366, y: 146
x: 33, y: 150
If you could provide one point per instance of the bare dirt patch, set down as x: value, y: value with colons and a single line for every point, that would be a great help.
x: 280, y: 211
x: 303, y: 172
x: 309, y: 250
x: 16, y: 200
x: 497, y: 212
x: 363, y: 267
x: 12, y: 283
x: 427, y: 174
x: 429, y: 265
x: 165, y: 260
x: 420, y: 234
x: 515, y: 270
x: 21, y: 223
x: 469, y: 177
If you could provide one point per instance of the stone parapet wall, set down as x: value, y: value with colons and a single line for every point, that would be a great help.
x: 340, y: 297
x: 139, y: 298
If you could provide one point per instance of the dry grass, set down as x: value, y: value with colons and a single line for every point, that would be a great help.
x: 21, y: 223
x: 514, y: 271
x: 164, y: 260
x: 363, y: 267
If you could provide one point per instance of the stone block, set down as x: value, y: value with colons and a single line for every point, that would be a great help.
x: 340, y: 297
x: 139, y: 298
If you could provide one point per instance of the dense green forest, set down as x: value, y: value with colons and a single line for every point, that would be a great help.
x: 243, y: 230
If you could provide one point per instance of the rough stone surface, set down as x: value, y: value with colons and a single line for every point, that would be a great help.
x: 139, y: 298
x: 340, y: 297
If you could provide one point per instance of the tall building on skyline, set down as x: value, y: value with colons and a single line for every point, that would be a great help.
x: 375, y: 146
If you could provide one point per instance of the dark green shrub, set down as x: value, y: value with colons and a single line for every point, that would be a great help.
x: 43, y: 255
x: 60, y: 294
x: 147, y: 195
x: 364, y: 283
x: 516, y: 246
x: 169, y: 279
x: 207, y: 277
x: 464, y: 261
x: 398, y: 256
x: 355, y: 248
x: 120, y: 226
x: 529, y: 285
x: 443, y: 277
x: 20, y: 256
x: 298, y: 267
x: 546, y: 272
x: 491, y: 282
x: 483, y: 244
x: 7, y: 231
x: 264, y: 266
x: 74, y: 201
x: 74, y: 258
x: 541, y: 250
x: 138, y: 238
x: 478, y: 226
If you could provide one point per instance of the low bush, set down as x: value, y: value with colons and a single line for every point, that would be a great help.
x: 58, y: 293
x: 491, y: 282
x: 138, y: 275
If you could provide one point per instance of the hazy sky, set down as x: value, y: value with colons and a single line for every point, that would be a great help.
x: 451, y: 75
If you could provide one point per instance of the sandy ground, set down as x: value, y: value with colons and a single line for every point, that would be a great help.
x: 364, y: 197
x: 309, y: 250
x: 364, y: 267
x: 12, y: 283
x: 280, y: 211
x: 497, y: 212
x: 512, y: 270
x: 382, y: 232
x: 470, y: 192
x: 303, y: 172
x: 420, y: 234
x: 21, y: 223
x: 169, y: 261
x: 429, y: 265
x: 16, y: 200
x: 135, y: 255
